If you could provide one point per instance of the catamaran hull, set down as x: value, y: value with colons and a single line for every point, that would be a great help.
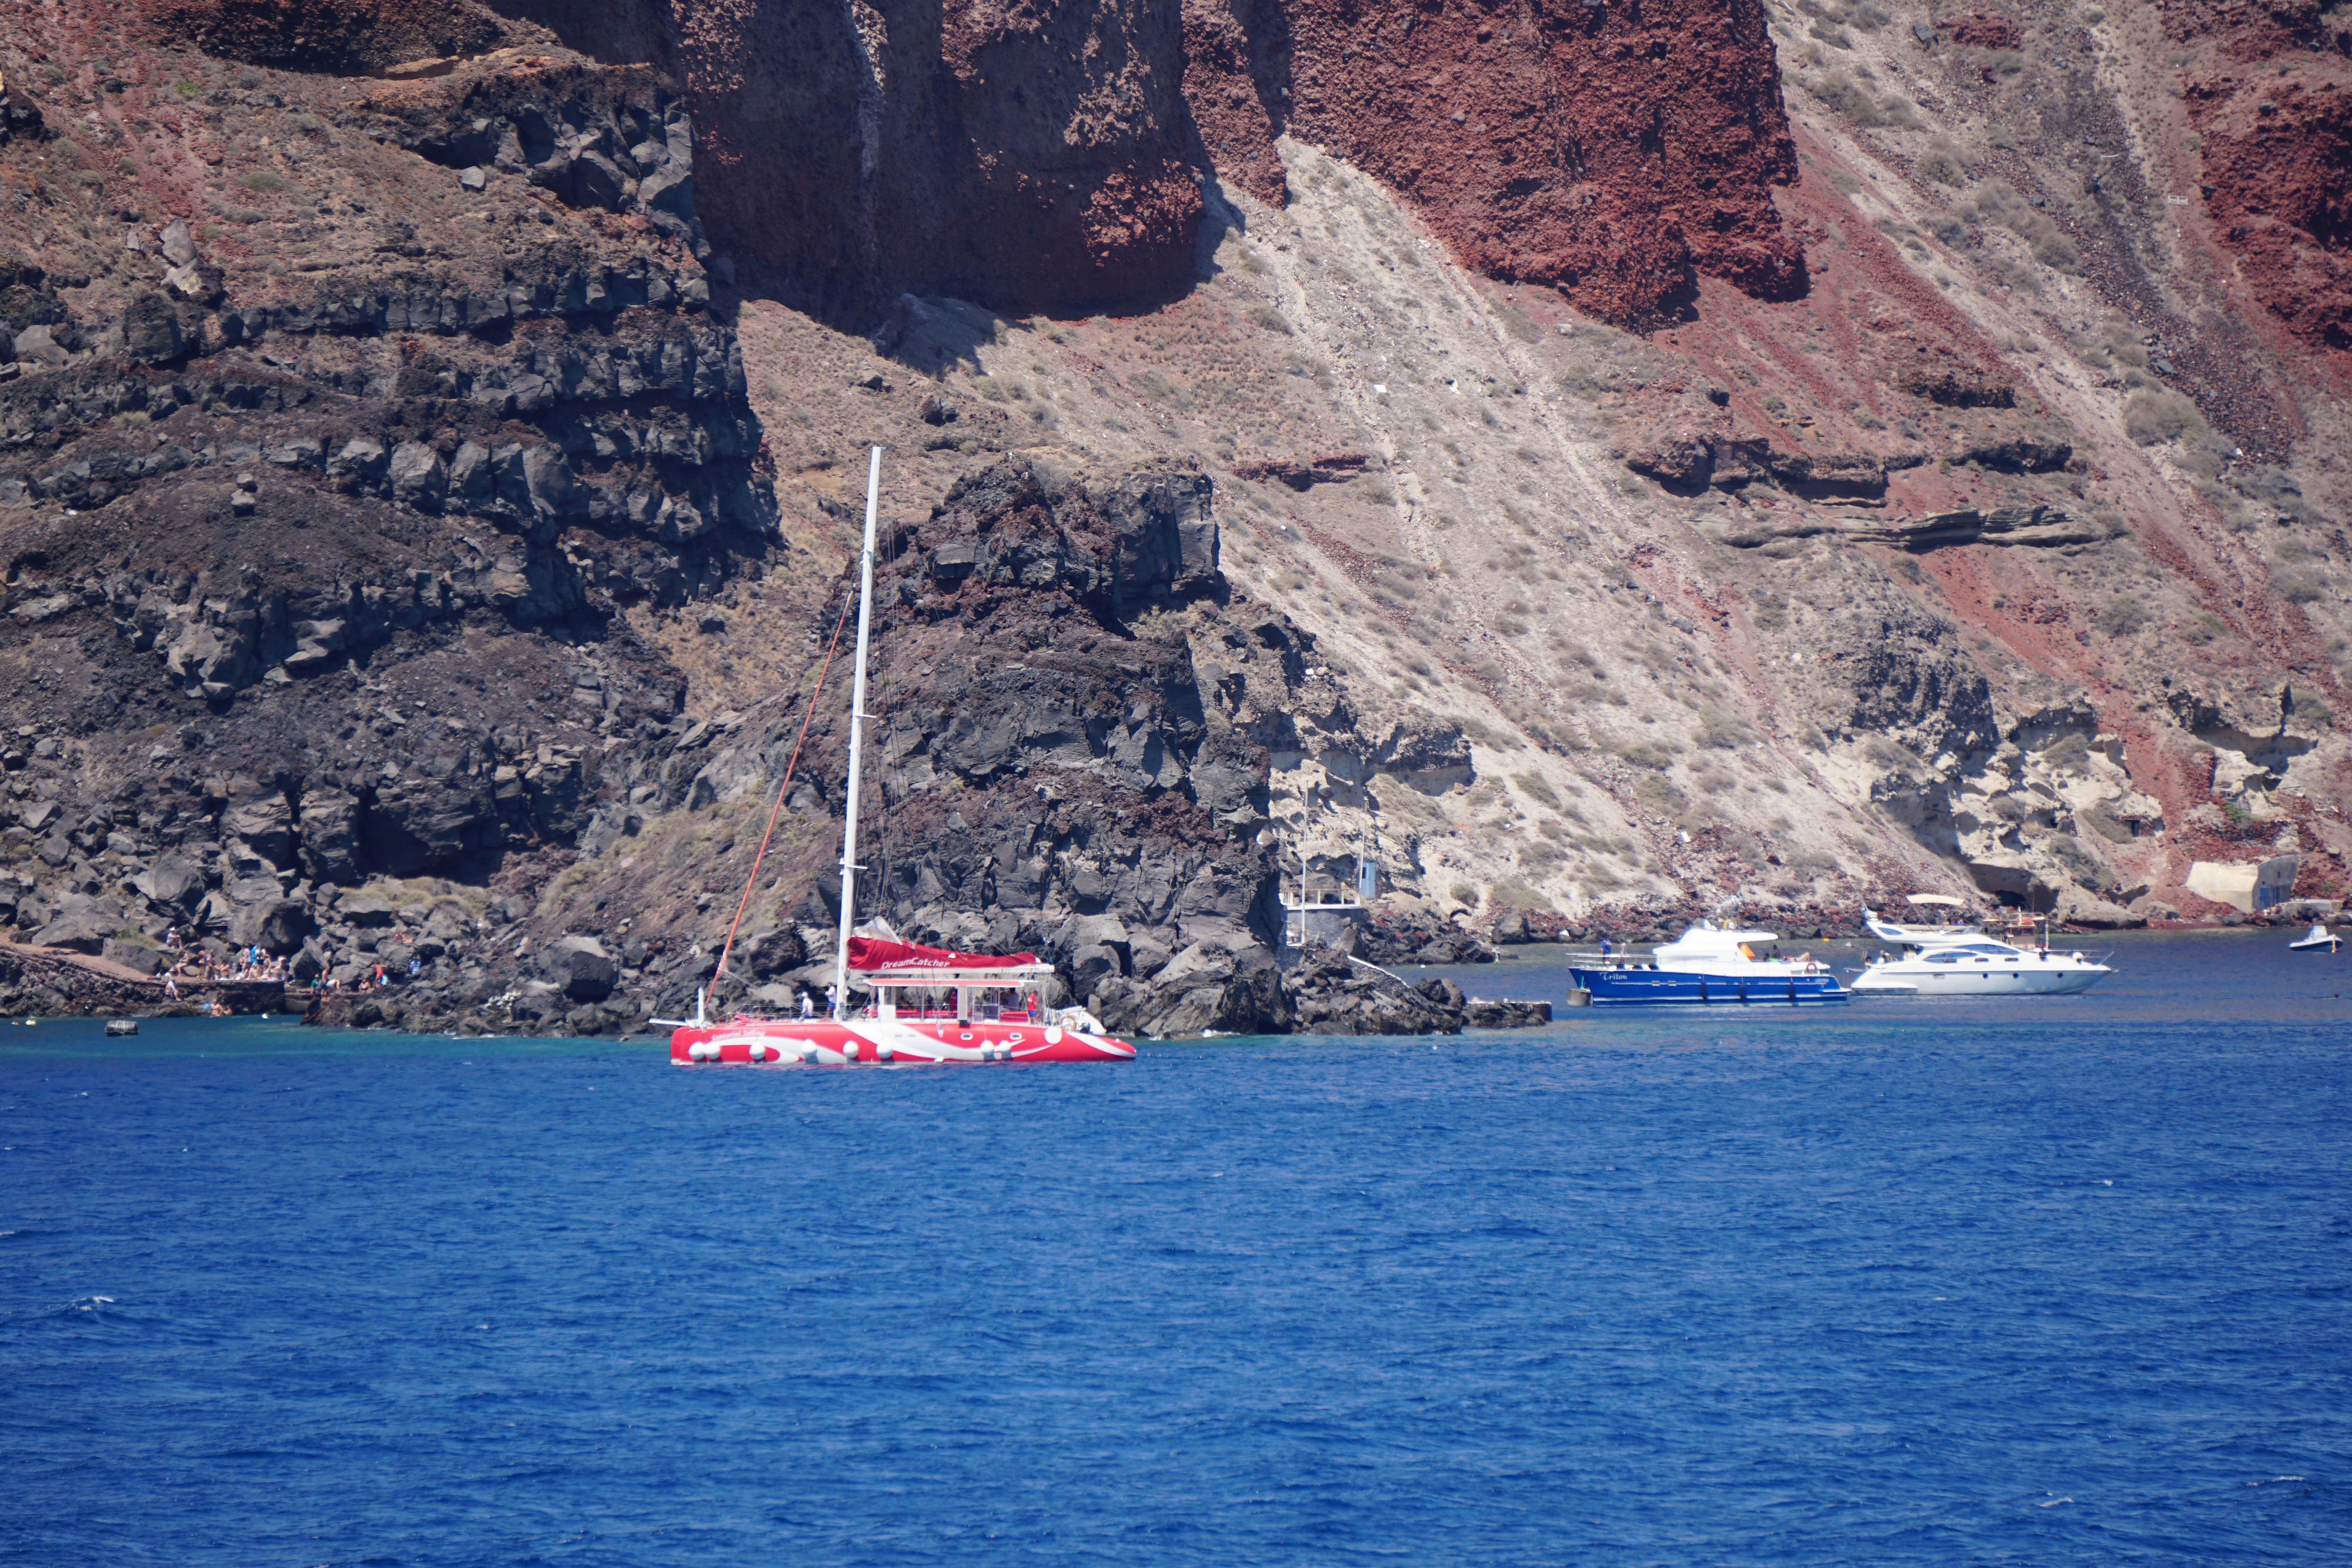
x: 885, y: 1042
x: 1671, y: 988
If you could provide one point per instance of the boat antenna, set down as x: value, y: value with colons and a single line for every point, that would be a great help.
x: 856, y: 742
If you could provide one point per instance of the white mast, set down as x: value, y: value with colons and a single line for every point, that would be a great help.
x: 856, y: 744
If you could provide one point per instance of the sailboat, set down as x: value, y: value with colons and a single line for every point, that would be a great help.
x: 964, y: 1008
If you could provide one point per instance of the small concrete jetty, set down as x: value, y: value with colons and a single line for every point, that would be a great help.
x: 59, y: 982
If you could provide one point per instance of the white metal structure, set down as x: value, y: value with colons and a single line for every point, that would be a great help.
x: 1962, y: 961
x: 849, y: 867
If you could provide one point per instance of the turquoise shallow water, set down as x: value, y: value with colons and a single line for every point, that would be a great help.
x: 2055, y: 1281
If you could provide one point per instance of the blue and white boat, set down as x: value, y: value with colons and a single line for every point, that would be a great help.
x: 1711, y: 966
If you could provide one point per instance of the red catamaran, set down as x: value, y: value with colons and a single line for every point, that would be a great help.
x: 993, y: 1014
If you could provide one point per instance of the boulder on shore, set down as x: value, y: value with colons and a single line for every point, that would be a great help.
x: 579, y: 968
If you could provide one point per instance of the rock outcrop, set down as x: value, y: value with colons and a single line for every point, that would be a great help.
x: 2278, y: 164
x: 1614, y: 152
x: 1036, y: 158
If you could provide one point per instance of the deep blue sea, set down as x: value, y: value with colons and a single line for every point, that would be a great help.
x: 2041, y: 1282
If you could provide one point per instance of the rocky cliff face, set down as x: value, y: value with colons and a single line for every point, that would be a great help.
x: 1613, y: 152
x: 417, y: 547
x: 1032, y: 157
x: 328, y: 511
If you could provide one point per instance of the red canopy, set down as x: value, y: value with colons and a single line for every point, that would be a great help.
x: 873, y: 953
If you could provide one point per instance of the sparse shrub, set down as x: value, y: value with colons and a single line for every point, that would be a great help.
x: 1516, y: 322
x: 1641, y: 755
x: 1534, y: 788
x: 2151, y: 416
x: 1653, y: 792
x: 1843, y: 94
x: 2055, y: 251
x: 2096, y: 819
x: 263, y: 181
x: 1163, y: 388
x: 89, y: 179
x: 189, y: 89
x: 2123, y: 616
x: 1272, y: 320
x: 2067, y: 751
x: 1950, y: 230
x: 1940, y: 163
x: 2297, y: 588
x: 1519, y: 895
x: 1718, y: 728
x: 1462, y: 892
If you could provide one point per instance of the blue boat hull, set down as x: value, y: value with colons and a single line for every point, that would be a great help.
x: 1670, y: 987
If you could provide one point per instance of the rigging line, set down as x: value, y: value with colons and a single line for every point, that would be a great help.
x: 782, y: 785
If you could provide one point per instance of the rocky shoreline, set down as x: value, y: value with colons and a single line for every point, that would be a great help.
x: 419, y: 541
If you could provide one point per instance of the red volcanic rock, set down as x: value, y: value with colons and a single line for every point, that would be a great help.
x: 1609, y: 149
x: 1982, y: 30
x: 2278, y: 163
x: 2258, y: 30
x: 1033, y: 156
x: 1236, y: 66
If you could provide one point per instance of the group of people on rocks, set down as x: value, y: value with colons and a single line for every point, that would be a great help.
x: 251, y: 963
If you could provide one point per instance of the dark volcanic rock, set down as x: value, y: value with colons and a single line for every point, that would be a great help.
x: 580, y: 967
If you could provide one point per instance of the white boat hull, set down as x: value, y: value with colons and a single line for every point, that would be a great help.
x: 1991, y: 980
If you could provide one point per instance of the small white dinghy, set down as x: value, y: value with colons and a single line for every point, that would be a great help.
x: 2321, y: 940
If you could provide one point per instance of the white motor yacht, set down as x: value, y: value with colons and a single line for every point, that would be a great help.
x: 1962, y: 961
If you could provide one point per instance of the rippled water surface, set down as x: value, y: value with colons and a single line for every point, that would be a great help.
x: 2043, y: 1282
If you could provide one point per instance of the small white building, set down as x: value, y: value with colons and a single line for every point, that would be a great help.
x: 2245, y: 888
